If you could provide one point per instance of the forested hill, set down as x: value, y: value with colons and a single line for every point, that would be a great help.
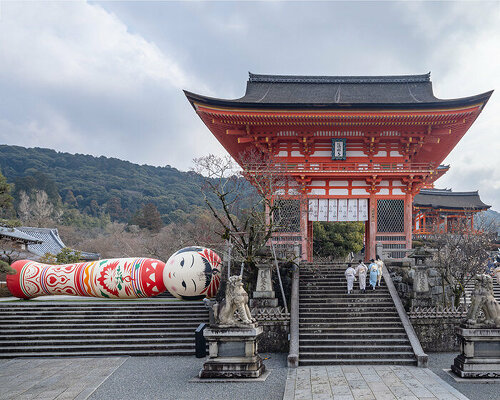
x: 119, y: 187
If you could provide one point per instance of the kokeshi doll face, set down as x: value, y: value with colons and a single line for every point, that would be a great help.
x: 193, y: 273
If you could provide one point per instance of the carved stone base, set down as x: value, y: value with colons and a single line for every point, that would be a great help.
x: 480, y: 353
x: 263, y: 302
x: 233, y: 353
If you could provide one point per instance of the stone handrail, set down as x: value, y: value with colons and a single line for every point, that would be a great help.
x: 293, y: 355
x: 422, y: 358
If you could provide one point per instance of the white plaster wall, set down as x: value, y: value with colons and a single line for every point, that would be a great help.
x: 397, y: 191
x: 355, y: 153
x: 359, y: 183
x: 339, y: 191
x: 318, y: 191
x: 339, y: 183
x: 318, y: 183
x: 322, y: 153
x: 359, y: 191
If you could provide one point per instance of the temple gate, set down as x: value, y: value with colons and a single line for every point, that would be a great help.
x: 351, y: 148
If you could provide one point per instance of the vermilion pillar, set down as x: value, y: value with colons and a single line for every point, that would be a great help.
x: 407, y: 219
x: 370, y: 250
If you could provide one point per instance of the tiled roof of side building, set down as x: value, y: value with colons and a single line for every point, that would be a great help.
x: 439, y: 198
x: 16, y: 234
x: 51, y: 242
x: 334, y: 91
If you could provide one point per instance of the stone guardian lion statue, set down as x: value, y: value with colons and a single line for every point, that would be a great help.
x: 236, y: 299
x: 483, y: 299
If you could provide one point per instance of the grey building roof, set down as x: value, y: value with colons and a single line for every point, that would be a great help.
x: 396, y: 91
x: 50, y: 242
x: 15, y: 234
x: 445, y: 198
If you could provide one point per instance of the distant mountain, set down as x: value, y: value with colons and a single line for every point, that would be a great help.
x: 488, y: 218
x: 112, y: 183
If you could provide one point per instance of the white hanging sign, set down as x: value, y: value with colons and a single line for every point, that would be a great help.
x: 333, y: 210
x: 313, y: 209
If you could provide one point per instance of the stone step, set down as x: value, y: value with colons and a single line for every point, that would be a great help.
x: 359, y: 335
x: 96, y: 347
x: 352, y: 342
x: 347, y: 299
x: 108, y: 317
x: 51, y: 329
x: 101, y: 321
x: 99, y: 353
x: 104, y: 324
x: 328, y: 304
x: 356, y: 355
x: 346, y: 320
x: 91, y: 341
x: 316, y: 313
x: 353, y: 325
x: 353, y: 361
x: 311, y: 328
x: 56, y: 336
x: 359, y: 348
x: 91, y: 312
x: 101, y: 303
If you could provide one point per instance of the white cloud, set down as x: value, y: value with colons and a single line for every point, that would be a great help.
x: 107, y: 78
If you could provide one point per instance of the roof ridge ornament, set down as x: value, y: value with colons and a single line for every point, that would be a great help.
x: 257, y: 78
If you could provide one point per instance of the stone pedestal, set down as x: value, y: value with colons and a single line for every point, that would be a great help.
x: 264, y: 295
x: 232, y: 353
x: 480, y: 353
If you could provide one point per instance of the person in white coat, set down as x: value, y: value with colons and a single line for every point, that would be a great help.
x: 380, y: 265
x: 361, y: 271
x: 350, y: 275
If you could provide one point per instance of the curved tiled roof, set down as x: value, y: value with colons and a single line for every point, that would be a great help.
x: 445, y: 198
x: 15, y: 234
x: 50, y: 242
x: 403, y: 91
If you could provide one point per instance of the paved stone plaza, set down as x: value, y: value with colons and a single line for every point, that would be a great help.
x: 54, y: 378
x: 367, y: 383
x: 113, y: 378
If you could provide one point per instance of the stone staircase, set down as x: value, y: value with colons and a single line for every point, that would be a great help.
x: 470, y: 287
x: 99, y: 328
x: 337, y: 328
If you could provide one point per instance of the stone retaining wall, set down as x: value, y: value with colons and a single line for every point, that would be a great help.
x: 274, y: 339
x: 437, y: 334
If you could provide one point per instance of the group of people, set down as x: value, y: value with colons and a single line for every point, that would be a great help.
x: 374, y: 271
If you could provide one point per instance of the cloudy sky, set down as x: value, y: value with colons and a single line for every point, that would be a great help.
x: 106, y: 78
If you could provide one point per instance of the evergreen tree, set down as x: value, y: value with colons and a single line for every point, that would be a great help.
x: 70, y: 199
x: 337, y: 239
x: 148, y: 217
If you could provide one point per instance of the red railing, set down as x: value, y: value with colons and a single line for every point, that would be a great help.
x: 340, y: 167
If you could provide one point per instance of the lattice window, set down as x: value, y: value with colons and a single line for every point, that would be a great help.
x: 391, y: 238
x: 287, y: 215
x: 390, y: 215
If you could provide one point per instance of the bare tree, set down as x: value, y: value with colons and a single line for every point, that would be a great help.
x: 246, y: 214
x: 460, y: 255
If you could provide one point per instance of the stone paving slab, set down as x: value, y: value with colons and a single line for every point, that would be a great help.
x: 54, y: 378
x: 367, y: 383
